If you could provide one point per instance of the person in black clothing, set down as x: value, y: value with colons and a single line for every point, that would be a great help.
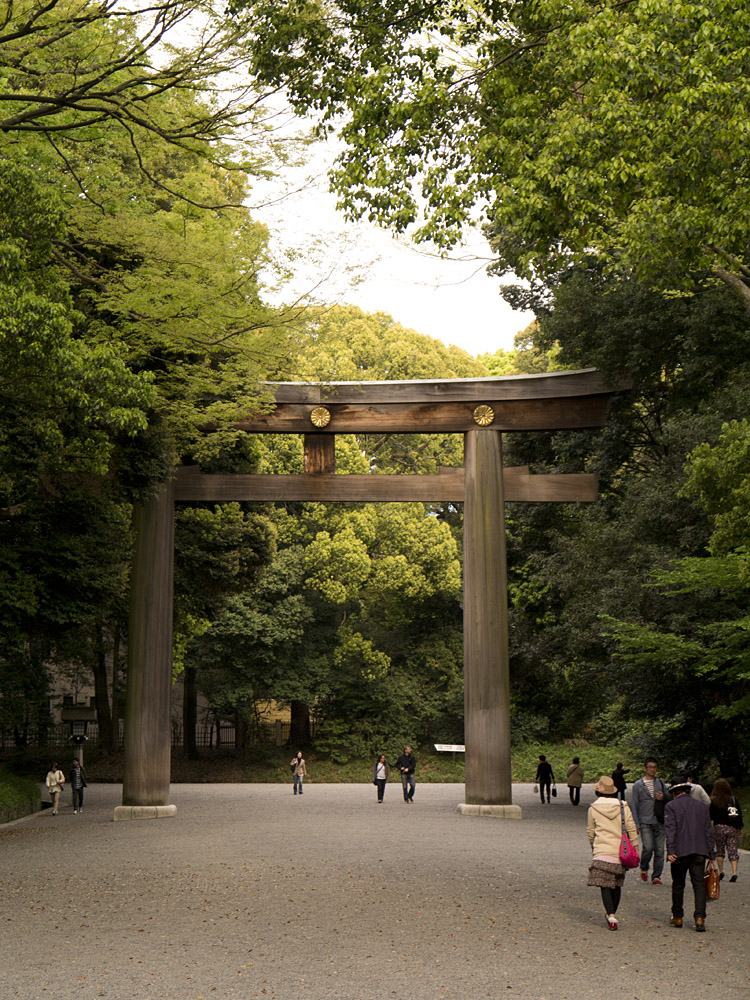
x: 544, y: 777
x: 78, y: 783
x: 726, y: 817
x: 618, y: 776
x: 406, y: 764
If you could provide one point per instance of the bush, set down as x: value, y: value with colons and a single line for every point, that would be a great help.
x: 18, y: 797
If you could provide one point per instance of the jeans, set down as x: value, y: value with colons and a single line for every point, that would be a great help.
x: 381, y: 788
x: 407, y: 779
x: 653, y: 841
x: 78, y: 798
x: 575, y: 797
x: 695, y: 864
x: 298, y: 781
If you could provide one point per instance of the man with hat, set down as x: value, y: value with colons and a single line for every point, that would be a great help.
x: 690, y: 840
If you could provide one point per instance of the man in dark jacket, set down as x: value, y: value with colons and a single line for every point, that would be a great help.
x: 406, y: 764
x: 690, y: 840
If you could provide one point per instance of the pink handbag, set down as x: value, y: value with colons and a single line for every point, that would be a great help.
x: 628, y: 854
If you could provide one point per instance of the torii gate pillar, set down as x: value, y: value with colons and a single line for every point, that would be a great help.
x: 486, y: 670
x: 145, y: 786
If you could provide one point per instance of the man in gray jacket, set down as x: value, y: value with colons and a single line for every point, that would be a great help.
x: 690, y: 840
x: 648, y: 797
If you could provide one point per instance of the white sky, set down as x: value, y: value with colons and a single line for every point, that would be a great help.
x: 360, y: 264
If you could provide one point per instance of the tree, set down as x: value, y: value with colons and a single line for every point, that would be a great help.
x: 73, y: 69
x: 614, y: 129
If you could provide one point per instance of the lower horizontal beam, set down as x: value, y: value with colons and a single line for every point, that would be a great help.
x: 329, y: 487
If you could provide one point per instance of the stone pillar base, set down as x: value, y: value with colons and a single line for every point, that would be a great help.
x: 498, y: 812
x: 143, y: 812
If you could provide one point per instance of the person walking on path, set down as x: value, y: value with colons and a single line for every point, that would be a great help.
x: 690, y: 840
x: 574, y: 778
x: 699, y: 792
x: 406, y: 764
x: 648, y: 797
x: 298, y: 770
x: 618, y: 776
x: 55, y: 782
x: 381, y: 774
x: 605, y: 820
x: 544, y: 777
x: 726, y: 816
x: 78, y: 783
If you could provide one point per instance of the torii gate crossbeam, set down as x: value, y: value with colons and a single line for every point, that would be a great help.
x: 481, y: 409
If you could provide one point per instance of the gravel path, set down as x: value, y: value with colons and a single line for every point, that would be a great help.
x: 252, y: 892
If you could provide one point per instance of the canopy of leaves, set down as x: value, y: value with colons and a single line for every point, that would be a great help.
x: 613, y: 128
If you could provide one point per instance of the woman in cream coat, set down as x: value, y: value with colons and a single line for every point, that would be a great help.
x: 605, y: 835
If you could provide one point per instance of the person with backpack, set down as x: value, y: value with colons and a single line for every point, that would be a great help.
x: 726, y: 816
x: 648, y: 797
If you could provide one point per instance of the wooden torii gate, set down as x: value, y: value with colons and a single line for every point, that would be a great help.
x: 481, y: 409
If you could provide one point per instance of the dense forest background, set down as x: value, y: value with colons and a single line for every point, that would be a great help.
x: 608, y: 166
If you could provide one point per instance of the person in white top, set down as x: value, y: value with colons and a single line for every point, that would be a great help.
x: 381, y: 774
x: 699, y: 792
x: 55, y: 782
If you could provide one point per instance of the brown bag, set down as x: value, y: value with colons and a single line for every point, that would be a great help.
x: 711, y: 879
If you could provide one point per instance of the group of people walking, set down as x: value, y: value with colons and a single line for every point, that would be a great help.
x: 55, y: 782
x: 381, y: 774
x: 406, y: 764
x: 677, y: 821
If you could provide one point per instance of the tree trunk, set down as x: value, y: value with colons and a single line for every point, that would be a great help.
x: 101, y: 690
x: 738, y: 285
x: 189, y: 713
x: 118, y: 699
x: 299, y: 735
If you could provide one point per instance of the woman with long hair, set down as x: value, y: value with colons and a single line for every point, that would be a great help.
x: 381, y: 773
x: 726, y: 816
x: 606, y: 817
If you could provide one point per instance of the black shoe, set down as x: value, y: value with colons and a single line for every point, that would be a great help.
x: 700, y: 924
x: 721, y: 876
x: 733, y: 878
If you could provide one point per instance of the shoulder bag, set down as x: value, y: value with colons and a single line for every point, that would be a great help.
x: 659, y: 803
x: 628, y: 854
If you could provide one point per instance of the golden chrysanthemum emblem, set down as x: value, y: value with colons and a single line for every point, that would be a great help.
x: 484, y: 415
x: 320, y: 416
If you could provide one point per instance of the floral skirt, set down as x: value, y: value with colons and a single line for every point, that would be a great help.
x: 606, y: 875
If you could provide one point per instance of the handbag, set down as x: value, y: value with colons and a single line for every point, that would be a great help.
x: 628, y: 855
x: 711, y: 880
x: 554, y: 791
x: 536, y: 788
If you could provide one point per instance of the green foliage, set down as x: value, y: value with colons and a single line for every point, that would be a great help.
x: 615, y: 129
x: 18, y: 796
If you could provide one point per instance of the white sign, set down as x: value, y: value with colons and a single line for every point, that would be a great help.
x: 450, y: 747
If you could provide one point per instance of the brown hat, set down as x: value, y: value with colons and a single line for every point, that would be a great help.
x: 605, y: 786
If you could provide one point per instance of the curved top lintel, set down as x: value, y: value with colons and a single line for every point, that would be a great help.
x: 585, y: 382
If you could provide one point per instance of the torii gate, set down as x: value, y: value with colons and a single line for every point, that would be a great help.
x: 482, y: 409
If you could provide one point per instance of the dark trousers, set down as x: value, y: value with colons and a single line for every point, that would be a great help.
x: 381, y: 788
x: 78, y: 798
x: 611, y: 899
x: 575, y: 796
x: 542, y: 786
x: 695, y: 864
